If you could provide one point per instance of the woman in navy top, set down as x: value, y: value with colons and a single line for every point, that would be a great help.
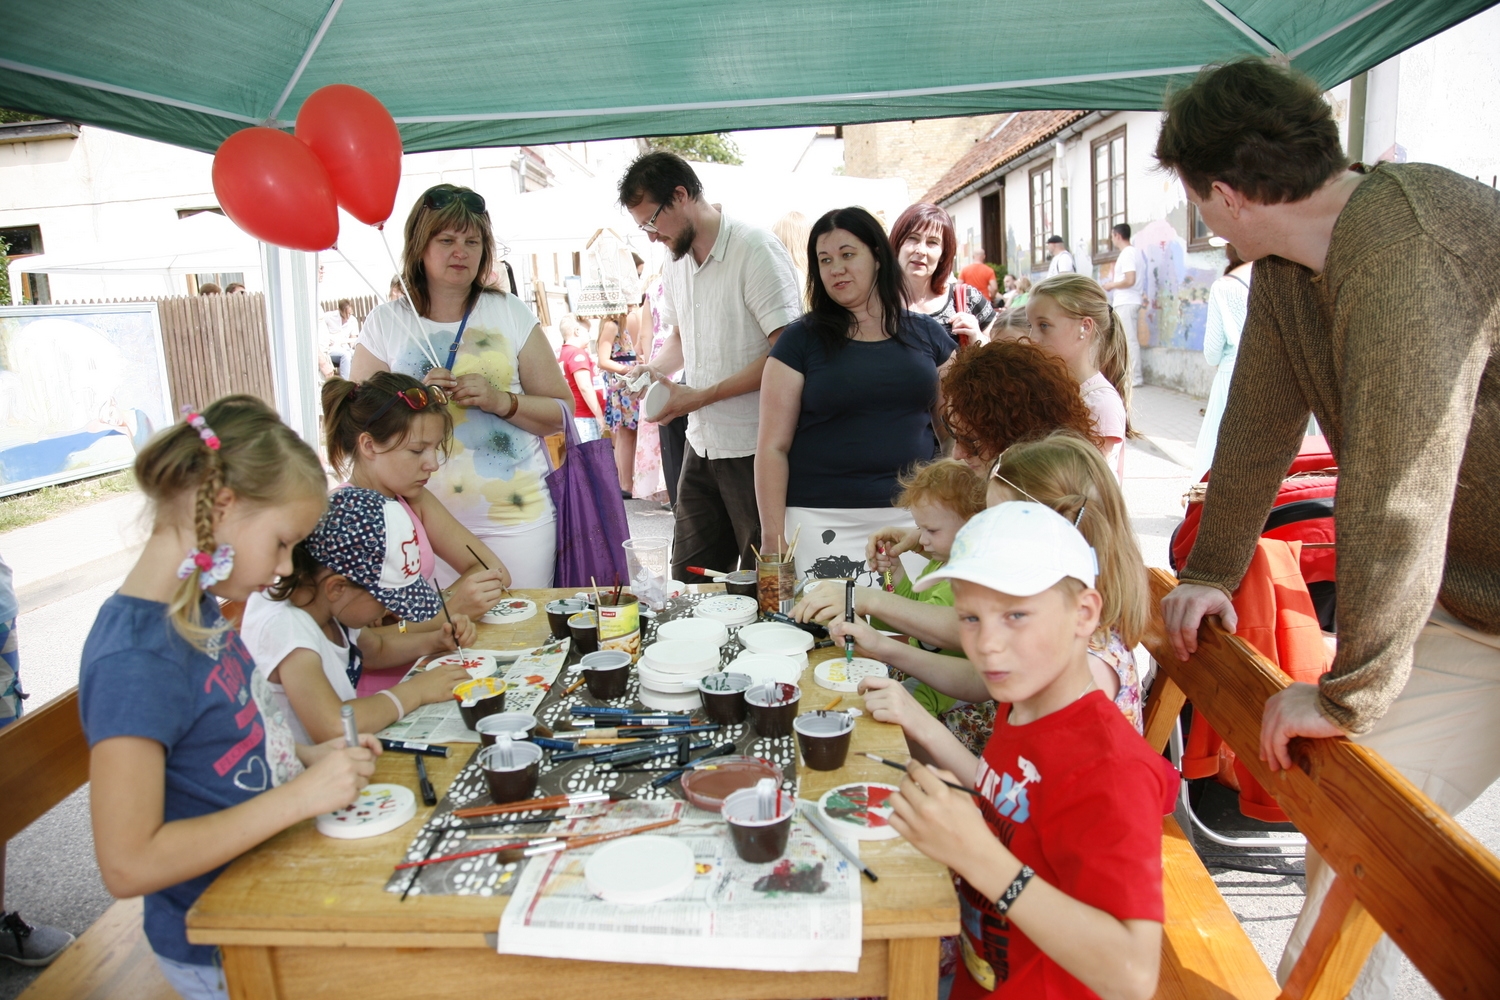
x: 847, y: 401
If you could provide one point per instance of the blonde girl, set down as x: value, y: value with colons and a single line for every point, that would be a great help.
x: 391, y: 434
x: 1070, y: 317
x: 941, y: 496
x: 185, y: 772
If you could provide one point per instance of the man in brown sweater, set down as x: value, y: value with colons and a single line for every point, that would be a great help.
x: 1375, y: 306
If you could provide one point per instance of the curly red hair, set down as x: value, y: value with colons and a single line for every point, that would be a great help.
x: 998, y: 394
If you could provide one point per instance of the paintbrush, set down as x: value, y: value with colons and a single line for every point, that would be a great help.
x: 575, y: 685
x: 810, y: 810
x: 598, y: 598
x: 444, y: 602
x: 474, y: 854
x: 792, y: 549
x: 429, y: 797
x: 849, y: 617
x: 902, y: 767
x: 513, y: 853
x: 437, y: 838
x: 547, y: 802
x: 503, y: 588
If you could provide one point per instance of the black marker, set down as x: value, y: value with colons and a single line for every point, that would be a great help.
x: 410, y: 746
x: 429, y: 797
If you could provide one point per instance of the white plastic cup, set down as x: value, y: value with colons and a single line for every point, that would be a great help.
x: 646, y: 559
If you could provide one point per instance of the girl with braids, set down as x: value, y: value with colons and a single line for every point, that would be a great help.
x: 391, y: 434
x: 183, y: 770
x: 1065, y: 472
x: 1071, y: 318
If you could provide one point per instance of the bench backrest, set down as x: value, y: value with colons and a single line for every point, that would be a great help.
x: 1403, y: 864
x: 44, y: 758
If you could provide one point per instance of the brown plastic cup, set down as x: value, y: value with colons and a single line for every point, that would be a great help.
x: 724, y: 697
x: 479, y: 698
x: 758, y: 841
x: 511, y: 725
x: 584, y: 628
x: 742, y: 582
x: 824, y: 738
x: 558, y: 613
x: 772, y: 707
x: 607, y: 673
x: 511, y: 770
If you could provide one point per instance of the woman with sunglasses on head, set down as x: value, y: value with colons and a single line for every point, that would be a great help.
x: 485, y: 350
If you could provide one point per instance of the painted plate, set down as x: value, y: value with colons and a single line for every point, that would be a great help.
x: 731, y: 609
x: 478, y: 663
x: 379, y: 809
x: 860, y: 811
x: 509, y: 611
x: 836, y: 674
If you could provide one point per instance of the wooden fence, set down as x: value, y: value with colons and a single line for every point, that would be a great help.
x: 362, y: 306
x: 215, y: 345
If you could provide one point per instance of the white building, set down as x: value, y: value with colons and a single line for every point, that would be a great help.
x: 1076, y: 174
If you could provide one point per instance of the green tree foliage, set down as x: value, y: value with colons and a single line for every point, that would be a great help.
x: 710, y: 147
x: 8, y: 116
x: 4, y: 272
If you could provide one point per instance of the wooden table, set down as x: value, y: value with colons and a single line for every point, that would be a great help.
x: 304, y: 915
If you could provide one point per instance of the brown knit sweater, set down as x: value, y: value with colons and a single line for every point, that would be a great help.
x: 1393, y: 348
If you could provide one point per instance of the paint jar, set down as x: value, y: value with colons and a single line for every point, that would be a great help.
x: 824, y: 738
x: 478, y: 698
x: 558, y: 613
x: 724, y: 697
x: 757, y: 840
x: 584, y: 629
x: 607, y: 673
x: 776, y: 583
x: 620, y: 624
x: 511, y: 770
x: 741, y: 581
x: 772, y: 707
x: 505, y: 725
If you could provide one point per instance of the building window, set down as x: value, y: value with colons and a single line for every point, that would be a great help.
x: 1109, y: 191
x: 36, y: 290
x: 23, y: 240
x: 1041, y: 213
x: 992, y: 228
x: 1198, y: 231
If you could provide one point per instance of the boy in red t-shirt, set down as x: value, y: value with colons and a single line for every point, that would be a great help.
x: 1058, y: 860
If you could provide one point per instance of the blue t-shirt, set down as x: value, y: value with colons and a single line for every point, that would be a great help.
x: 140, y: 678
x: 866, y: 412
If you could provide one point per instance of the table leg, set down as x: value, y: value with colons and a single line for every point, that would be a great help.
x: 913, y: 969
x: 250, y: 973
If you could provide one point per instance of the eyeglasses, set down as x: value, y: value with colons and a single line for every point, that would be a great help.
x: 969, y: 444
x: 649, y: 225
x: 440, y: 197
x: 418, y: 398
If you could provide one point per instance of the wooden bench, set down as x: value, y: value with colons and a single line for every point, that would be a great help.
x: 46, y: 760
x: 1403, y: 865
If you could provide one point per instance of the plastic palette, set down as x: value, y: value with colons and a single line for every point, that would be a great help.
x: 729, y: 609
x: 707, y: 787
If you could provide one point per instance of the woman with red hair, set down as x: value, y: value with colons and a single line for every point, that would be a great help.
x: 925, y: 245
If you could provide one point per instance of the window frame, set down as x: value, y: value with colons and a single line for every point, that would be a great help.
x: 1040, y: 227
x: 35, y: 242
x: 1194, y: 241
x: 1103, y: 250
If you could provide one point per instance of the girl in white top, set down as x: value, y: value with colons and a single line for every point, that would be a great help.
x: 485, y: 348
x: 1228, y: 302
x: 1070, y: 318
x: 307, y: 633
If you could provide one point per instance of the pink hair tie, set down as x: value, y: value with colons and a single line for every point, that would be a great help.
x: 197, y: 423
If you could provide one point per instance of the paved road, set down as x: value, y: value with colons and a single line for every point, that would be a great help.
x: 66, y: 567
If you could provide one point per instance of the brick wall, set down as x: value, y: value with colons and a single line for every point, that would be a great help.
x: 917, y: 151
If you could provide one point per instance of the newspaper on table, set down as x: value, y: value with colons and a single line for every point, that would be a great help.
x: 800, y: 913
x: 528, y: 677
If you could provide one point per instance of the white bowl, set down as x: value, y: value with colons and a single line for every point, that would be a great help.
x: 664, y: 701
x: 655, y: 399
x: 775, y: 637
x: 682, y: 657
x: 766, y: 668
x: 706, y: 631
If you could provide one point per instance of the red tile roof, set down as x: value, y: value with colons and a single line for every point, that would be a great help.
x: 1023, y: 131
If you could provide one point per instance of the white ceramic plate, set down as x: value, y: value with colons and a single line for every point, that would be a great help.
x: 663, y: 701
x: 837, y: 675
x: 509, y: 611
x: 730, y: 609
x: 703, y: 630
x: 379, y: 809
x: 683, y: 656
x: 655, y: 398
x: 765, y: 668
x: 479, y: 662
x: 859, y: 810
x: 641, y: 869
x: 775, y: 637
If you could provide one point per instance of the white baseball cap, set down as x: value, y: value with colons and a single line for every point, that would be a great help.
x: 1018, y: 549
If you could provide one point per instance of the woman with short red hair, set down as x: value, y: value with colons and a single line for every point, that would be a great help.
x: 925, y: 245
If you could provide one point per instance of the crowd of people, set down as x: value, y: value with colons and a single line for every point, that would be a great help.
x: 876, y: 406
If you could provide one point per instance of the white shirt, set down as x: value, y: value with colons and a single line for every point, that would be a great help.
x: 724, y: 309
x: 1062, y: 264
x: 1129, y: 260
x: 272, y: 630
x: 342, y: 334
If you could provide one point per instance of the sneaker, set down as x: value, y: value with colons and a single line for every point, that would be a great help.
x: 30, y: 944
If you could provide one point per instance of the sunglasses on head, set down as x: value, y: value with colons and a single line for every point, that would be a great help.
x: 418, y: 398
x: 440, y: 197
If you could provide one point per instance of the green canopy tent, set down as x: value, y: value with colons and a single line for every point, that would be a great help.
x: 459, y: 73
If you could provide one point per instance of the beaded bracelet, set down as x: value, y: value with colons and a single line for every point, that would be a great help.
x: 1003, y: 904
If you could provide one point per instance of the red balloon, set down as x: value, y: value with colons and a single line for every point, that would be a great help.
x: 273, y: 187
x: 357, y: 140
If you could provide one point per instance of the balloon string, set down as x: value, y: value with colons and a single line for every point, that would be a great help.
x: 357, y: 271
x: 421, y: 341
